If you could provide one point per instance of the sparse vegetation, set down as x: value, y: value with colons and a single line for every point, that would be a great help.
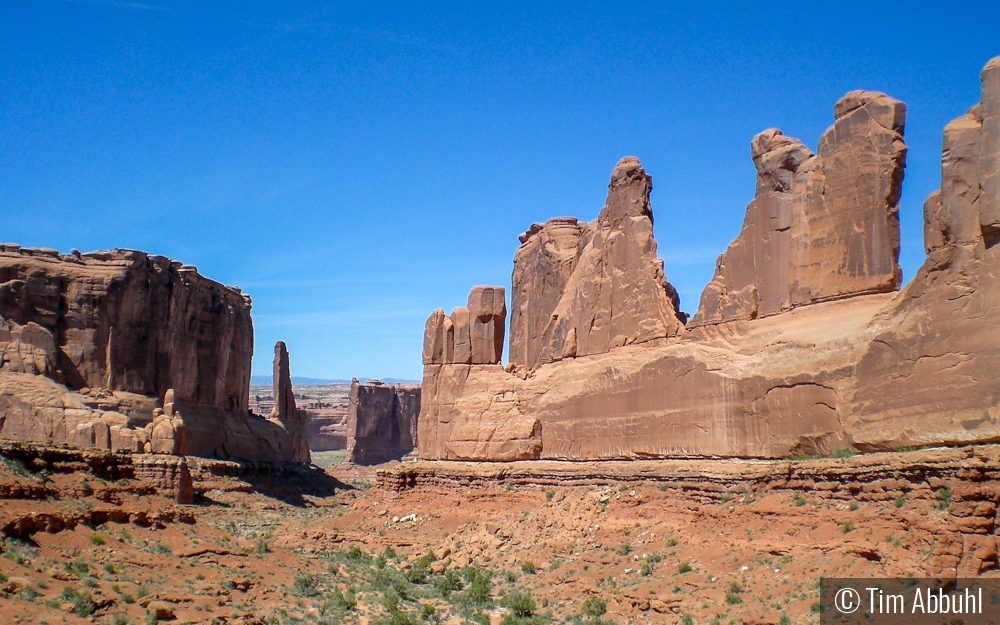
x: 943, y: 498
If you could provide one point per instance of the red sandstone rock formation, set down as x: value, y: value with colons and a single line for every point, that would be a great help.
x: 821, y: 227
x: 765, y: 374
x: 472, y: 335
x: 382, y: 421
x: 294, y: 421
x: 125, y: 351
x: 581, y: 290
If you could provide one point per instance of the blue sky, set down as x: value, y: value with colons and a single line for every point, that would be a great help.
x: 353, y: 166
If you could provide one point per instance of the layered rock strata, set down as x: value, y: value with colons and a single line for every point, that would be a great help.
x: 802, y: 345
x: 963, y: 483
x: 382, y: 421
x: 125, y: 351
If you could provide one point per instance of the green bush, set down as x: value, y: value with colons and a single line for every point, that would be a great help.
x: 899, y: 502
x: 520, y: 603
x: 306, y: 584
x: 341, y: 601
x: 448, y: 583
x: 844, y: 452
x: 98, y: 540
x: 417, y: 574
x: 625, y: 549
x: 943, y: 498
x: 529, y: 567
x: 83, y: 604
x: 477, y: 593
x: 683, y: 567
x: 798, y: 500
x: 595, y: 606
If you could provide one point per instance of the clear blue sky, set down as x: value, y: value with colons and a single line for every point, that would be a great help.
x: 354, y: 166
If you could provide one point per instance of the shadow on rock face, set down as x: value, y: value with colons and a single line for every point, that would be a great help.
x: 295, y: 486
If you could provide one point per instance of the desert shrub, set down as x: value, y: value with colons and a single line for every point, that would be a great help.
x: 671, y: 542
x: 98, y: 540
x: 83, y: 604
x: 341, y: 601
x: 306, y: 584
x: 844, y: 452
x: 625, y: 549
x: 529, y: 567
x: 260, y: 546
x: 646, y: 569
x: 899, y: 502
x: 687, y: 620
x: 163, y: 548
x: 798, y: 500
x: 520, y: 603
x: 595, y: 606
x: 119, y: 619
x: 417, y: 574
x: 846, y: 527
x: 683, y: 567
x: 386, y: 580
x: 943, y: 498
x: 477, y: 593
x: 448, y: 583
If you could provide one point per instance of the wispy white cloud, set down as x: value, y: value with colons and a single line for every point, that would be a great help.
x: 121, y: 5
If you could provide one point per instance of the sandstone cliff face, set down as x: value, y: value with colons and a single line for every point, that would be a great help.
x: 821, y: 227
x: 931, y: 368
x: 581, y: 290
x: 125, y: 351
x: 801, y: 346
x: 124, y: 320
x: 382, y: 421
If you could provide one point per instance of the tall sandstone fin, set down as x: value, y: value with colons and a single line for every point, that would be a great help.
x: 820, y: 227
x: 582, y: 290
x: 285, y: 412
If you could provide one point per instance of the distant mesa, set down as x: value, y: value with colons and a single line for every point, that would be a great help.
x: 126, y: 351
x: 802, y: 343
